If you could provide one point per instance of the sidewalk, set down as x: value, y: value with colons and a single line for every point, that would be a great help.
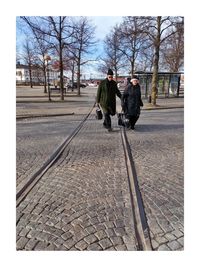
x: 32, y: 102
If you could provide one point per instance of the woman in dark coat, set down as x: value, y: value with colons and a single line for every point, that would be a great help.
x: 131, y: 102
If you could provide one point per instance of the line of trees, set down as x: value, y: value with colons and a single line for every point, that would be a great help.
x: 145, y: 44
x: 69, y: 39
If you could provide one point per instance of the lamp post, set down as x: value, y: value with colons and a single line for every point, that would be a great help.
x: 47, y: 58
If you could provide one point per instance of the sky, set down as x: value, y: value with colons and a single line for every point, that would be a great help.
x: 104, y: 24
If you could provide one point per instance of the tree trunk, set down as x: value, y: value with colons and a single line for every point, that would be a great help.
x: 73, y: 76
x: 30, y: 76
x: 132, y: 68
x: 155, y: 78
x: 78, y: 79
x: 155, y: 63
x: 116, y: 76
x: 61, y: 62
x: 45, y: 80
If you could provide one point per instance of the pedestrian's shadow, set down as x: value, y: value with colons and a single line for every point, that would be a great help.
x: 157, y: 127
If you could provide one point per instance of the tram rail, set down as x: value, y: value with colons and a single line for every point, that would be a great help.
x: 139, y: 217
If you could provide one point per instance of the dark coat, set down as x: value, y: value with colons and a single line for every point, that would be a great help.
x: 131, y: 100
x: 106, y: 96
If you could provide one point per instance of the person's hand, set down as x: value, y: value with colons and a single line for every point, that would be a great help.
x: 97, y: 105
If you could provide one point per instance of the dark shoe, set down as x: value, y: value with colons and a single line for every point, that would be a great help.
x: 105, y: 126
x: 110, y: 129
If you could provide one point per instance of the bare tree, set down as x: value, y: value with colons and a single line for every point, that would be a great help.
x: 40, y: 46
x: 57, y: 31
x: 172, y: 51
x: 133, y: 40
x: 145, y: 59
x: 82, y: 43
x: 113, y: 55
x: 159, y: 29
x: 29, y: 58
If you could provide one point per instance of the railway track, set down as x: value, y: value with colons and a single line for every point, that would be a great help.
x: 139, y: 217
x: 140, y: 222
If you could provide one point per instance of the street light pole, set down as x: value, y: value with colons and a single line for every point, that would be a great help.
x: 47, y: 58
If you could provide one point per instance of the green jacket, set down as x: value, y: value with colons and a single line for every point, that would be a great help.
x: 107, y: 96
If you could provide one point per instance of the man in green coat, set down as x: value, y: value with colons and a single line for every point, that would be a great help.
x: 106, y: 97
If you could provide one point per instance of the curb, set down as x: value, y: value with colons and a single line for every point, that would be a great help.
x: 42, y: 115
x: 155, y: 108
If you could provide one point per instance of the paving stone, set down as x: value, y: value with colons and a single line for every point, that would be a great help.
x: 99, y: 227
x: 110, y: 232
x: 21, y: 243
x: 91, y: 239
x: 110, y: 249
x: 174, y: 245
x: 69, y: 243
x: 116, y: 240
x: 81, y: 245
x: 177, y: 233
x: 119, y: 223
x: 121, y: 247
x: 30, y: 245
x: 181, y: 241
x: 41, y: 245
x: 33, y: 234
x: 161, y: 239
x: 154, y: 244
x: 66, y: 235
x: 94, y: 247
x: 119, y: 231
x: 52, y: 247
x: 24, y: 232
x: 163, y: 247
x: 109, y: 224
x: 105, y: 243
x: 100, y: 234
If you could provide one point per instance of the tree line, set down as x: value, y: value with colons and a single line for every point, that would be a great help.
x: 136, y: 44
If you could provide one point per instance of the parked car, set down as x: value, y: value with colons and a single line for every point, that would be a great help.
x: 70, y: 86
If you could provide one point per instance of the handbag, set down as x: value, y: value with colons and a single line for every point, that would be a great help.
x: 123, y: 120
x: 99, y: 114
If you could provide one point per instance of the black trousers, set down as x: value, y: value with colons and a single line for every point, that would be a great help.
x: 107, y: 120
x: 133, y: 120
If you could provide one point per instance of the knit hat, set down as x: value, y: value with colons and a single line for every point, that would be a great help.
x: 135, y: 77
x: 110, y: 72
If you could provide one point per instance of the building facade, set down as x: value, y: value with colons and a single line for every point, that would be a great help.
x: 37, y: 75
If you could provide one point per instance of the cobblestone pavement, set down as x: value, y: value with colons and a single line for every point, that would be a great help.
x: 157, y: 148
x: 37, y: 139
x: 82, y: 202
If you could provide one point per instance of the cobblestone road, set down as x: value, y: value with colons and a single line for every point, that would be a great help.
x: 157, y: 148
x: 37, y: 139
x: 83, y: 202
